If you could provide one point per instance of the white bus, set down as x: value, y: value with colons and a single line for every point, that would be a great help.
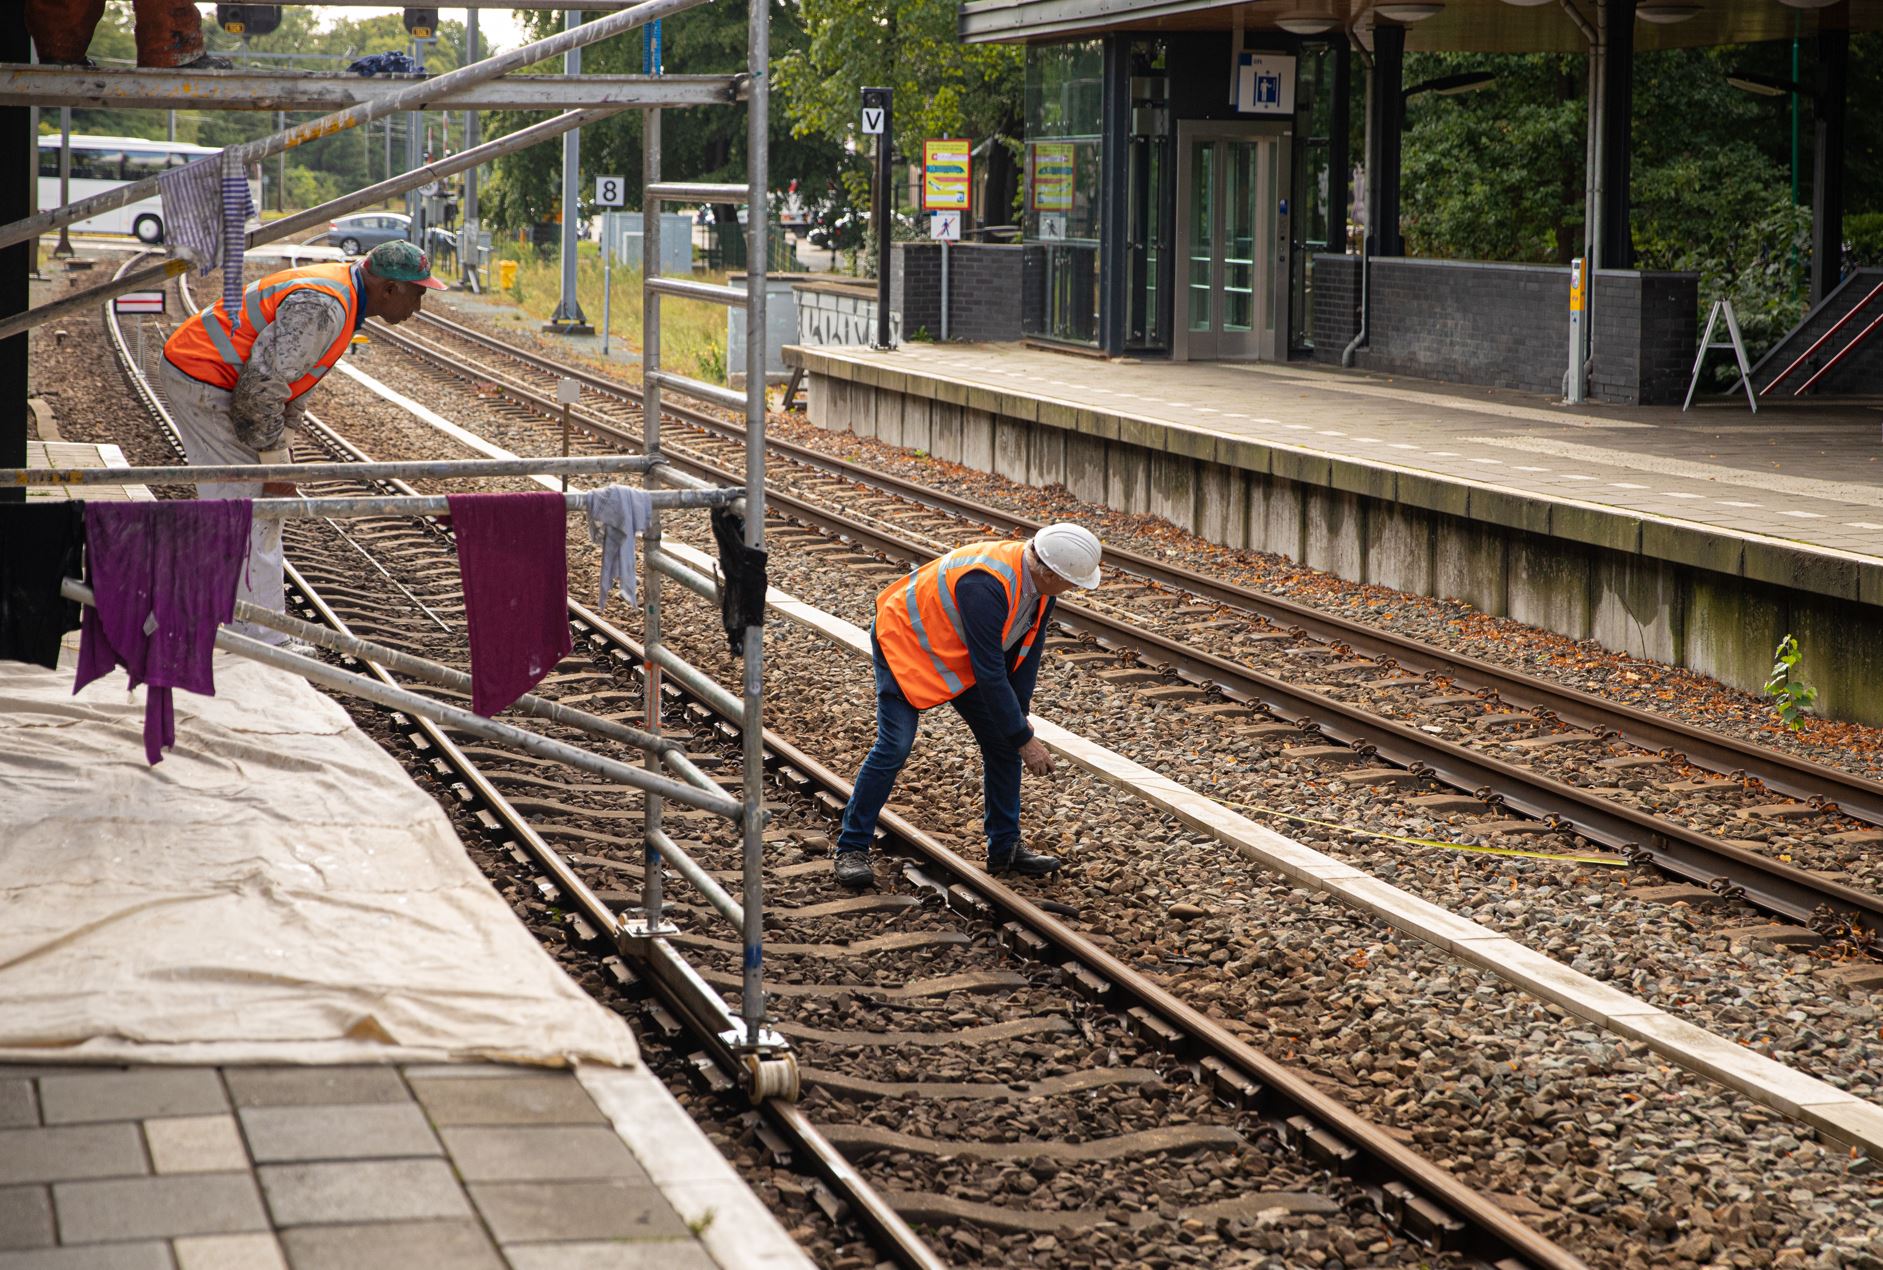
x: 104, y: 163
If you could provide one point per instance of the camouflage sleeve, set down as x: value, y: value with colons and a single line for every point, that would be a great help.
x: 304, y: 327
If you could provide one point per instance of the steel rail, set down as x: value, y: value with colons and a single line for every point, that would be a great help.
x: 1768, y: 883
x: 686, y: 998
x: 1858, y: 796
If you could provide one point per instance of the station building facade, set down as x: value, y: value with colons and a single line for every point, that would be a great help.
x: 1200, y: 176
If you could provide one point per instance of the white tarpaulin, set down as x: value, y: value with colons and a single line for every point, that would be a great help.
x: 276, y: 890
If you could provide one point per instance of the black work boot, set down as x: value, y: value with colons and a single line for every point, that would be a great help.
x: 853, y: 869
x: 1020, y: 860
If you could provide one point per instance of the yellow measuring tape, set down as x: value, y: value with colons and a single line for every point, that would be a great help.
x: 1606, y: 861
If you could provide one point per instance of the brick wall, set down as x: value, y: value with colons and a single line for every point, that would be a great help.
x: 1507, y: 326
x: 984, y: 287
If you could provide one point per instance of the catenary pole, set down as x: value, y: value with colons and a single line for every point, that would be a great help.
x: 472, y: 236
x: 568, y: 318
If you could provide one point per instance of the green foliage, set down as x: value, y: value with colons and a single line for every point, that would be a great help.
x: 1791, y: 697
x: 943, y: 87
x: 705, y: 143
x: 1864, y: 233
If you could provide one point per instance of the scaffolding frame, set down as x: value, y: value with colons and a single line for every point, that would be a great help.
x: 763, y: 1059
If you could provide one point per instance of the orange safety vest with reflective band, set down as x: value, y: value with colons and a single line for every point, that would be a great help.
x: 918, y: 625
x: 211, y: 351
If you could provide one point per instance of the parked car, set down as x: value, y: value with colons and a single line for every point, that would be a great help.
x: 354, y: 235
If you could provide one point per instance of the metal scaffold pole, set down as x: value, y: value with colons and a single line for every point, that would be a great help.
x: 758, y: 235
x: 650, y: 434
x: 470, y: 238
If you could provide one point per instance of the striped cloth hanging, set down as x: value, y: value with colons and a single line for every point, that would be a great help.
x: 205, y: 217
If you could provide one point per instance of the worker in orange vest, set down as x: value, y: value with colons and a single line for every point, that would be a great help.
x: 237, y: 387
x: 967, y: 628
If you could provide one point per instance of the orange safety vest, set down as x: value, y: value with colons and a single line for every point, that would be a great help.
x: 211, y: 351
x: 919, y: 627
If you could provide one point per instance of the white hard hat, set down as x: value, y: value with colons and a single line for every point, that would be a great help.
x: 1071, y: 551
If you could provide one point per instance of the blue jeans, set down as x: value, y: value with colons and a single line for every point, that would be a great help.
x: 896, y: 722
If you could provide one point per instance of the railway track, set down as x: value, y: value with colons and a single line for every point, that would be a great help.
x: 884, y: 987
x: 1621, y: 778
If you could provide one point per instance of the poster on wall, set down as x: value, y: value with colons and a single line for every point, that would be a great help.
x: 1265, y: 84
x: 947, y: 175
x: 1052, y: 175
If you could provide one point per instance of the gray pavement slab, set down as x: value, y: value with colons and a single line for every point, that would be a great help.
x: 133, y: 1095
x: 540, y: 1153
x: 277, y: 1134
x: 427, y: 1245
x: 71, y: 1152
x: 158, y: 1207
x: 228, y: 1252
x: 195, y: 1144
x: 308, y: 1086
x: 19, y: 1106
x: 137, y: 1256
x: 530, y: 1212
x: 483, y: 1100
x: 356, y: 1191
x: 25, y: 1217
x: 661, y: 1254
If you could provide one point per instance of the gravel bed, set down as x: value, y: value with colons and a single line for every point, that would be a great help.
x: 1602, y: 1138
x: 1449, y: 624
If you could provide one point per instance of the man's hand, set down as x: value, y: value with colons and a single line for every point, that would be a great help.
x: 1036, y: 758
x: 280, y: 489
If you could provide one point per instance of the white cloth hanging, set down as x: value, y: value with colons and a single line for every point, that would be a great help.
x: 617, y: 514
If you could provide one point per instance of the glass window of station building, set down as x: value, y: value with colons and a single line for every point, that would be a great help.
x: 1175, y: 196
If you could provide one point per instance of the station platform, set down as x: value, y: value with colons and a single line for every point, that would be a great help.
x: 259, y: 1009
x: 1698, y: 539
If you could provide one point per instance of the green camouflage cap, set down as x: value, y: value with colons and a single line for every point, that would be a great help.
x: 402, y: 262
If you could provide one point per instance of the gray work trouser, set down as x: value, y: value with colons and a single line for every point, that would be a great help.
x: 201, y: 412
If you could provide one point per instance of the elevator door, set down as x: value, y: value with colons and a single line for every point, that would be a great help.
x: 1232, y: 242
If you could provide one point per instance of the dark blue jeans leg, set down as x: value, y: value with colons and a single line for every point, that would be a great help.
x: 896, y: 722
x: 1000, y: 774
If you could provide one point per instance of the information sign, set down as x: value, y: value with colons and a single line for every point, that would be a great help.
x: 945, y: 227
x: 610, y: 191
x: 1265, y: 84
x: 1052, y: 175
x: 138, y: 302
x: 947, y: 175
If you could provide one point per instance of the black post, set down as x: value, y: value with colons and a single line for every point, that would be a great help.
x: 1827, y: 183
x: 883, y: 100
x: 19, y: 153
x: 1382, y: 169
x: 1618, y: 110
x: 1339, y: 165
x: 1114, y: 246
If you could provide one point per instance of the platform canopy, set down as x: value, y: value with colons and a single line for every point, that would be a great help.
x: 1479, y: 26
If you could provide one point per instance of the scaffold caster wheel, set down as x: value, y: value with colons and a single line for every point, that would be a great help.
x: 775, y: 1077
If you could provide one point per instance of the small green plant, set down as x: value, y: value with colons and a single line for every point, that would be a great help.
x: 1792, y: 697
x: 698, y: 1225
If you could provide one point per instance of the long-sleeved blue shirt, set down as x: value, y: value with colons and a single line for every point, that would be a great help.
x: 1008, y: 693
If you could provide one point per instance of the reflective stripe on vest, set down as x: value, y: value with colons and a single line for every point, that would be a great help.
x: 210, y: 350
x: 920, y: 629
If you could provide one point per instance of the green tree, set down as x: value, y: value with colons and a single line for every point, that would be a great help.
x: 700, y: 143
x: 943, y: 87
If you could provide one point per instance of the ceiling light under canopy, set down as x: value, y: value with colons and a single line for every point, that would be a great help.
x: 1408, y: 12
x: 1666, y: 12
x: 1305, y: 23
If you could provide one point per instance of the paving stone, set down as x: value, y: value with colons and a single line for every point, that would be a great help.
x: 537, y: 1153
x: 662, y: 1254
x: 277, y: 1134
x: 516, y: 1100
x: 196, y: 1144
x: 18, y: 1107
x: 138, y: 1095
x: 311, y: 1086
x: 25, y: 1217
x: 362, y: 1191
x: 65, y: 1154
x: 532, y: 1212
x: 142, y: 1256
x: 158, y: 1207
x: 425, y: 1245
x: 229, y: 1252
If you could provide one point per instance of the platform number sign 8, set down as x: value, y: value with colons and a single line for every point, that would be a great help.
x: 610, y: 191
